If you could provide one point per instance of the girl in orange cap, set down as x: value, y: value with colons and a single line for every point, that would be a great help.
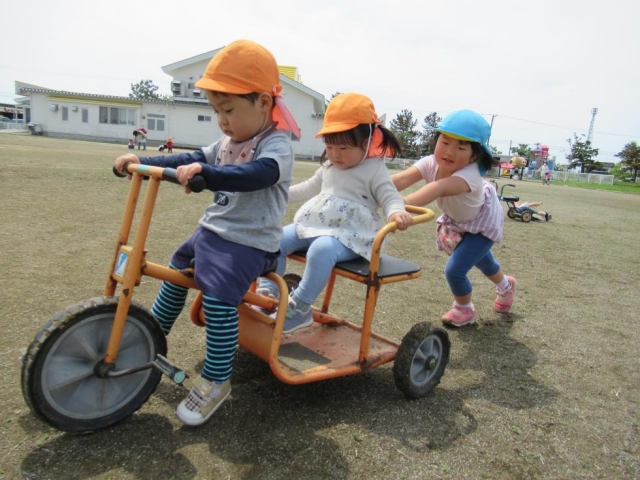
x: 340, y: 219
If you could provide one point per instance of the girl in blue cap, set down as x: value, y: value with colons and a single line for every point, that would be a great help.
x: 472, y: 218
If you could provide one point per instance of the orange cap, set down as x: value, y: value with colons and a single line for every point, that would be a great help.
x: 244, y: 67
x: 346, y: 111
x: 239, y: 68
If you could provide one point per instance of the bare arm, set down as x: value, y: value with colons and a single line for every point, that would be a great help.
x: 406, y: 178
x: 440, y: 188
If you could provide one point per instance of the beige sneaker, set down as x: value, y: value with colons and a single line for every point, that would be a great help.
x: 204, y: 398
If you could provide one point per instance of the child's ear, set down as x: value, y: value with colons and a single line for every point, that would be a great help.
x: 265, y: 100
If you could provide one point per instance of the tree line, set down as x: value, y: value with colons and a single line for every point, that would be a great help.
x: 417, y: 142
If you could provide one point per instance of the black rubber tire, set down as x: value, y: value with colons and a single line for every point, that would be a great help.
x: 292, y: 280
x: 58, y: 371
x: 526, y: 217
x: 511, y: 214
x: 421, y: 360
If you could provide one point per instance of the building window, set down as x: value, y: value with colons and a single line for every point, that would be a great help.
x: 155, y: 122
x: 204, y: 118
x: 65, y: 114
x: 85, y: 115
x: 104, y: 115
x: 191, y: 86
x: 117, y: 116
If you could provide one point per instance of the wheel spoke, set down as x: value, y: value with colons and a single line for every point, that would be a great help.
x: 64, y: 372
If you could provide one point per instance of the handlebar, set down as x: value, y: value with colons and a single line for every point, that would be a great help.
x: 196, y: 184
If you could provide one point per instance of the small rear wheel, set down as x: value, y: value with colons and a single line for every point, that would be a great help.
x: 59, y: 379
x: 292, y: 280
x: 511, y: 214
x: 421, y: 360
x: 526, y: 217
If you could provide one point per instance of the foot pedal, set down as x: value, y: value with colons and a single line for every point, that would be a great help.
x: 177, y: 375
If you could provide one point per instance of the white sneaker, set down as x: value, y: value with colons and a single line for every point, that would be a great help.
x: 203, y: 400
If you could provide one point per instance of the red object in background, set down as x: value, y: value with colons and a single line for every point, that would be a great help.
x: 143, y: 130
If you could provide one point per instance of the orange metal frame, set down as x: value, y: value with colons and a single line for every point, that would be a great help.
x: 337, y: 347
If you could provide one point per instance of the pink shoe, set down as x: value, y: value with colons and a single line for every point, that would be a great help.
x: 459, y: 316
x: 505, y: 300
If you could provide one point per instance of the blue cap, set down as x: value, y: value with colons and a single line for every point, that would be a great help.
x: 467, y: 125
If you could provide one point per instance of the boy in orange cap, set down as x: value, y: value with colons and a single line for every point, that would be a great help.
x: 250, y: 169
x: 340, y: 219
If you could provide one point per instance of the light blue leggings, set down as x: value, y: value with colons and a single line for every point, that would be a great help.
x: 473, y: 251
x: 322, y: 254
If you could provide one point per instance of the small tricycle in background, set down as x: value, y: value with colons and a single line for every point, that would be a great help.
x: 512, y: 211
x: 98, y: 361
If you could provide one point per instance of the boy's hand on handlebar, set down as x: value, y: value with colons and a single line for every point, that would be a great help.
x: 402, y: 219
x: 185, y: 173
x: 123, y: 160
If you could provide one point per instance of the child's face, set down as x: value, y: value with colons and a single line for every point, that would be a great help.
x: 451, y: 154
x: 344, y: 156
x: 238, y: 117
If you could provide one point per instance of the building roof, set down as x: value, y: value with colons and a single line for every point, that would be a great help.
x: 289, y: 71
x: 285, y: 72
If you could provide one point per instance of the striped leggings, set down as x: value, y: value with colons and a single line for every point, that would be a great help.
x: 221, y: 327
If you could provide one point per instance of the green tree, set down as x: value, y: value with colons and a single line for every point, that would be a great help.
x: 619, y: 172
x: 522, y: 150
x: 495, y: 150
x: 630, y: 156
x: 145, y: 90
x: 582, y: 155
x: 404, y: 127
x: 429, y: 124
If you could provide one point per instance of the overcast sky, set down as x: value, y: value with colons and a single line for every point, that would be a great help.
x: 536, y: 68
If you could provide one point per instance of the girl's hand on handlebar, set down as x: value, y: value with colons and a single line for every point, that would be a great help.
x: 123, y: 160
x: 402, y: 219
x: 185, y: 173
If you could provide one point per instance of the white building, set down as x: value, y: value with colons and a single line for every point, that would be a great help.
x: 188, y: 118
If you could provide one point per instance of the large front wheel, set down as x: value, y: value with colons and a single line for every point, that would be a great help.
x: 421, y: 360
x: 59, y: 375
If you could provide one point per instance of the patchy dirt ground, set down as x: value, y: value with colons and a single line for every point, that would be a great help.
x: 551, y: 391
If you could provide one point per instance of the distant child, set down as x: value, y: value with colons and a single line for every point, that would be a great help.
x: 131, y: 145
x: 249, y: 170
x: 544, y: 170
x: 340, y: 220
x: 472, y: 219
x: 522, y: 207
x: 141, y: 138
x: 170, y: 145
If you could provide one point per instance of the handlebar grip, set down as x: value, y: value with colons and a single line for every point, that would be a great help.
x: 120, y: 174
x: 196, y: 184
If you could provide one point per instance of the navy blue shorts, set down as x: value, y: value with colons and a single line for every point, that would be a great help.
x: 223, y: 269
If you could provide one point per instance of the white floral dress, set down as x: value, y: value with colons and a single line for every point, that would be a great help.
x: 353, y: 224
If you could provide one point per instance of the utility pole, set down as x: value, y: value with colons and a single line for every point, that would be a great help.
x: 492, y: 117
x: 593, y: 119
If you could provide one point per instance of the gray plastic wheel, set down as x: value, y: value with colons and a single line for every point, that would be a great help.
x: 59, y: 381
x: 526, y: 217
x: 421, y: 360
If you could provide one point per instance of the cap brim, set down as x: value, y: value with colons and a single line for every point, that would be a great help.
x: 455, y: 136
x: 464, y: 139
x: 218, y: 86
x: 336, y: 128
